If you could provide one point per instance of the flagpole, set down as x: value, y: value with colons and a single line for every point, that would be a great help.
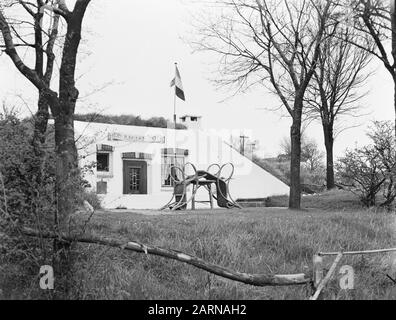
x: 174, y: 119
x: 174, y: 101
x: 174, y: 109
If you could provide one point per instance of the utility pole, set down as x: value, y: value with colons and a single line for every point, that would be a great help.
x: 243, y: 138
x: 252, y: 147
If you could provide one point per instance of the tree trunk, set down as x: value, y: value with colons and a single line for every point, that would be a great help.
x: 66, y: 166
x: 67, y: 173
x: 394, y: 100
x: 67, y: 186
x: 40, y: 122
x: 38, y: 139
x: 329, y: 142
x: 295, y: 163
x: 393, y: 26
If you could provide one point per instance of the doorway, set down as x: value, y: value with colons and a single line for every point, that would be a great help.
x: 135, y: 177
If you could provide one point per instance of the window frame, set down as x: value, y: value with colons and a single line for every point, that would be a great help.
x: 108, y: 162
x: 164, y: 175
x: 105, y: 185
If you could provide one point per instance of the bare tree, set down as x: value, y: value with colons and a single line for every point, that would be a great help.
x: 61, y: 102
x: 375, y: 20
x: 313, y: 156
x: 310, y: 152
x: 30, y: 16
x: 274, y: 43
x: 337, y: 87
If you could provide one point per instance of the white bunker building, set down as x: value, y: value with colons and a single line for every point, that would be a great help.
x: 132, y: 164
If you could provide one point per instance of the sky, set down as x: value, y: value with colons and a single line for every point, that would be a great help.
x: 127, y: 62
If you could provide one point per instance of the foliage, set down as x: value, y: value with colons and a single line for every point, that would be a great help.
x: 312, y: 181
x: 382, y: 135
x: 28, y: 199
x: 311, y: 155
x: 130, y: 120
x: 370, y: 170
x: 92, y: 199
x: 272, y: 166
x: 312, y: 167
x: 27, y: 179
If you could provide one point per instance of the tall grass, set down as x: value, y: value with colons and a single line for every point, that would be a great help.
x: 249, y: 240
x: 254, y: 240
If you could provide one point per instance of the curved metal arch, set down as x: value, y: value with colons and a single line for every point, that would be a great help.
x: 184, y: 201
x: 227, y: 181
x: 231, y: 174
x: 214, y: 165
x: 194, y: 168
x: 174, y: 181
x: 174, y: 205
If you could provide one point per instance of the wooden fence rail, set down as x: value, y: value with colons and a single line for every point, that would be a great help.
x: 351, y: 253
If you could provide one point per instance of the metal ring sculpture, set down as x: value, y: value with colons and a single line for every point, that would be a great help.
x: 211, y: 191
x: 227, y: 182
x: 177, y: 204
x: 214, y: 165
x: 192, y: 165
x: 186, y: 179
x: 173, y: 178
x: 174, y: 181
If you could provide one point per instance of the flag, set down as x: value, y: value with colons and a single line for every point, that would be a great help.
x: 178, y: 85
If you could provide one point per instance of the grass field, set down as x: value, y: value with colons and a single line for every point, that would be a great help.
x: 257, y: 240
x: 331, y: 200
x: 260, y: 240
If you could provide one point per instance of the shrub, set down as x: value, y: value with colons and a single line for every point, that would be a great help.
x: 92, y: 199
x: 359, y: 171
x: 130, y: 120
x: 26, y: 199
x: 370, y: 170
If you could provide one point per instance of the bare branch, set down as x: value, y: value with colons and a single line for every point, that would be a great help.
x: 259, y: 280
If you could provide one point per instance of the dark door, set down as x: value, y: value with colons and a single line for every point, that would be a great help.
x: 135, y: 177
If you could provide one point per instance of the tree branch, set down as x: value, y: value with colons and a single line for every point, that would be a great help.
x: 260, y: 280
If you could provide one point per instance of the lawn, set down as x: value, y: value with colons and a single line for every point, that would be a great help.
x: 259, y: 240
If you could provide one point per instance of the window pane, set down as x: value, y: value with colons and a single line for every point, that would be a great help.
x: 102, y: 162
x: 169, y: 160
x: 134, y: 179
x: 101, y: 187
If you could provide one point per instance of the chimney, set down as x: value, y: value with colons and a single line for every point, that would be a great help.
x: 191, y: 121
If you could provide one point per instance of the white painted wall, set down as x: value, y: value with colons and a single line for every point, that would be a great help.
x: 205, y: 148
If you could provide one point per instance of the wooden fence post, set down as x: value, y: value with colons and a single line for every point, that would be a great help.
x: 317, y: 270
x: 327, y: 278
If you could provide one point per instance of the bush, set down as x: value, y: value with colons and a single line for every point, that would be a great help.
x: 370, y: 170
x: 92, y: 199
x: 27, y: 179
x: 130, y: 120
x: 26, y: 199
